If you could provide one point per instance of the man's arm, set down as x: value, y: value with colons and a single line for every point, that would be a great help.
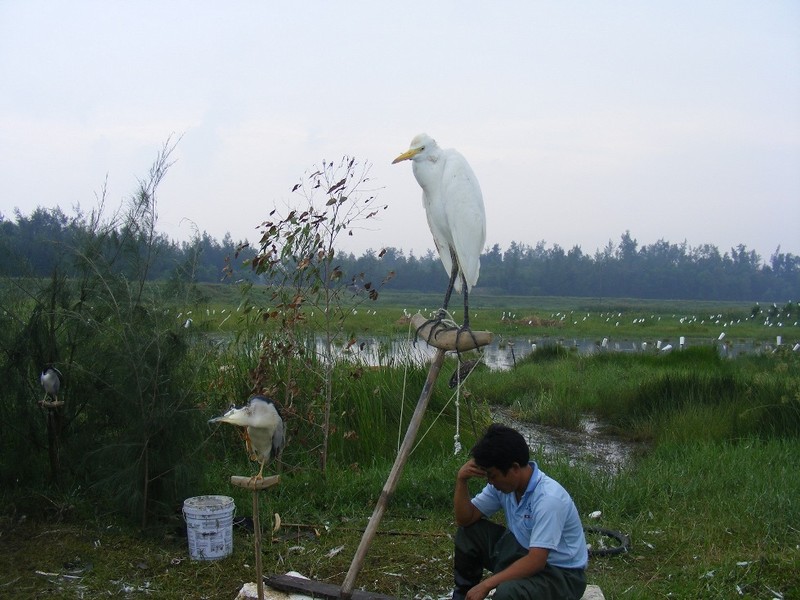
x: 533, y: 562
x: 465, y: 511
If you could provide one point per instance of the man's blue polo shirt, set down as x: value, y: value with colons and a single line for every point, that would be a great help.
x: 545, y: 517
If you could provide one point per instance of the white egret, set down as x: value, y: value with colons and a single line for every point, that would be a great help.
x: 454, y: 206
x: 265, y: 432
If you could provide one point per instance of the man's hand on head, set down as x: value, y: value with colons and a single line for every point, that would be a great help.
x: 469, y: 470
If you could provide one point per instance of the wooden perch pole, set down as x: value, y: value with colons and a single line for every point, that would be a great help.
x: 251, y: 483
x: 394, y: 476
x: 257, y: 544
x: 443, y: 338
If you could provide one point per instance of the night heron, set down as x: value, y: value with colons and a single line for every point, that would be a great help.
x: 454, y: 206
x: 51, y: 382
x: 265, y: 432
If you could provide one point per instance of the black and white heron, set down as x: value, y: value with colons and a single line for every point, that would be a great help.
x: 51, y: 382
x: 454, y: 207
x: 265, y: 431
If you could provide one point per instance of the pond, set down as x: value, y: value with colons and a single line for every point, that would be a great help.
x: 591, y: 446
x: 503, y: 353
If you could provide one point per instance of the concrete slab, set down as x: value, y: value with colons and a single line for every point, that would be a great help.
x: 593, y: 592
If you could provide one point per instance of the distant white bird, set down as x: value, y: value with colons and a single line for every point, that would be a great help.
x: 265, y: 431
x: 51, y: 382
x: 454, y: 206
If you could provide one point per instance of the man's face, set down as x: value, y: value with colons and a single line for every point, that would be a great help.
x: 505, y: 483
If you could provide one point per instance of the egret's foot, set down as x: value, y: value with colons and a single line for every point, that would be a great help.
x: 434, y: 323
x: 465, y: 328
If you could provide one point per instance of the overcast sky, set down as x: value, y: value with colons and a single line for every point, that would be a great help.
x: 674, y: 120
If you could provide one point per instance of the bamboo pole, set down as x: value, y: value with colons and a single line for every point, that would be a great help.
x: 256, y: 485
x: 394, y: 476
x: 257, y: 544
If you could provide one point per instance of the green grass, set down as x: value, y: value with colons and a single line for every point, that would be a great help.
x: 687, y: 395
x: 705, y: 518
x: 710, y: 507
x: 724, y: 508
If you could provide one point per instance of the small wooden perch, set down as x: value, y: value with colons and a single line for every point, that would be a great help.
x: 51, y: 403
x: 251, y: 483
x: 443, y: 337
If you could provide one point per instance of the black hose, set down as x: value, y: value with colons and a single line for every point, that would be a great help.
x: 624, y: 542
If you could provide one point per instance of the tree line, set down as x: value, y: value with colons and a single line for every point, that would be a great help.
x: 37, y: 244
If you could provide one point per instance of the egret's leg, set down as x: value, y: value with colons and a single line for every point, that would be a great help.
x: 451, y: 285
x: 466, y: 302
x: 442, y: 311
x: 465, y: 326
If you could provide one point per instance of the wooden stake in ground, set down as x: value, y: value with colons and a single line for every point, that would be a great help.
x: 443, y: 339
x: 256, y: 485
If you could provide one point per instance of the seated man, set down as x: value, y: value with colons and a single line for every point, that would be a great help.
x: 543, y: 552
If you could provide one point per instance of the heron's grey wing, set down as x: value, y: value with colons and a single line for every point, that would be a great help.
x: 278, y: 440
x: 465, y: 213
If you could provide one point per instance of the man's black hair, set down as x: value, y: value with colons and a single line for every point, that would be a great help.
x: 501, y: 447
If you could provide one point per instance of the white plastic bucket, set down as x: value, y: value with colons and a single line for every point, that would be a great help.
x: 209, y: 526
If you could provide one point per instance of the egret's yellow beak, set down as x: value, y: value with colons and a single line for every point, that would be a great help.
x: 410, y: 153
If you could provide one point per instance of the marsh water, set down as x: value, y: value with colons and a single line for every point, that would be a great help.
x: 503, y: 353
x: 591, y: 446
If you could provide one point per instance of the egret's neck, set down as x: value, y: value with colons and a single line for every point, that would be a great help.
x: 426, y: 171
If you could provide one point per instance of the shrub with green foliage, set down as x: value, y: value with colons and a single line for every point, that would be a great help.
x: 128, y: 425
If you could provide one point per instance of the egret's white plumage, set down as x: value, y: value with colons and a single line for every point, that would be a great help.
x: 454, y: 206
x: 264, y: 428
